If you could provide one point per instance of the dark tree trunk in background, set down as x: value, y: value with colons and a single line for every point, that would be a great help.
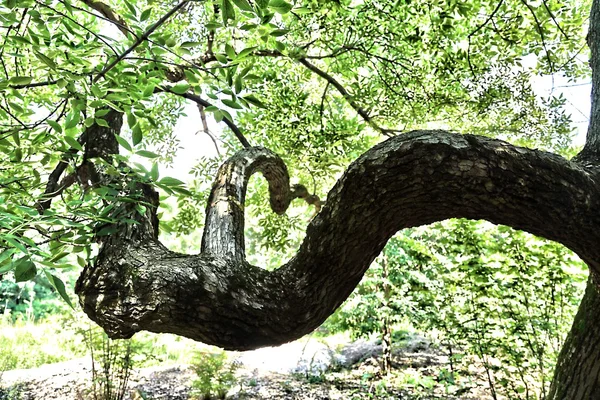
x: 577, y: 373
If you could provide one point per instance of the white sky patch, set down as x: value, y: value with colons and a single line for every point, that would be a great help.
x: 194, y: 142
x: 578, y: 95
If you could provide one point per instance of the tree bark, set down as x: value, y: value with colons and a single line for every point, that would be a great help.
x: 577, y: 373
x: 386, y: 328
x: 417, y: 178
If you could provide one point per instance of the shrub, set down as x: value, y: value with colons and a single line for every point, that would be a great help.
x: 215, y: 375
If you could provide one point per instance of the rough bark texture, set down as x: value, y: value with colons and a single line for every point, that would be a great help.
x: 590, y: 155
x: 577, y: 373
x: 414, y: 179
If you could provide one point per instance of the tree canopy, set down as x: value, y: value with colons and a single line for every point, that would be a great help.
x: 88, y: 86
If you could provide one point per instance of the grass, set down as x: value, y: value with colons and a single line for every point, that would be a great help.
x: 29, y: 344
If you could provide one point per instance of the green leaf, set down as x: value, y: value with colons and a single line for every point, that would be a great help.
x: 73, y: 143
x: 148, y: 90
x: 101, y: 122
x: 228, y: 12
x: 180, y: 88
x: 25, y: 270
x: 55, y: 125
x: 279, y: 32
x: 131, y: 120
x: 124, y: 143
x: 59, y: 285
x: 280, y: 6
x: 230, y: 51
x: 243, y: 5
x: 262, y: 4
x: 6, y: 253
x: 188, y: 45
x: 168, y: 181
x: 145, y: 14
x: 280, y: 46
x: 58, y: 256
x: 154, y: 172
x: 147, y: 154
x: 136, y: 135
x: 8, y: 267
x: 254, y: 101
x: 45, y: 59
x: 221, y: 58
x: 232, y: 104
x: 238, y: 84
x: 131, y: 8
x: 16, y: 107
x: 20, y: 80
x: 107, y: 230
x: 72, y: 119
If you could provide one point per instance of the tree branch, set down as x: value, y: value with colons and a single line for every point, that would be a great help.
x: 200, y: 101
x: 331, y: 80
x: 141, y: 39
x: 109, y: 14
x: 413, y: 179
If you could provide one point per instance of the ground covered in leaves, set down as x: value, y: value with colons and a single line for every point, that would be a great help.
x: 419, y: 372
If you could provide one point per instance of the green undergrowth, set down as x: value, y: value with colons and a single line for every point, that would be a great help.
x: 28, y: 344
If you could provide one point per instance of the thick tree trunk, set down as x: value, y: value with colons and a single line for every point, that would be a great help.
x: 577, y: 373
x: 413, y: 179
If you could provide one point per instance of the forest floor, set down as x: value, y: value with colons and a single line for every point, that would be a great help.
x: 419, y: 372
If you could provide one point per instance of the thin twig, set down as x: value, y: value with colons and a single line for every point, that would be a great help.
x: 205, y: 128
x: 541, y: 31
x: 342, y: 90
x: 199, y: 100
x: 80, y: 25
x: 554, y: 19
x: 108, y: 14
x: 141, y: 39
x: 35, y: 84
x: 489, y: 18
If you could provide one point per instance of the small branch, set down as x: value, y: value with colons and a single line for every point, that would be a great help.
x: 554, y: 19
x: 7, y: 110
x: 200, y: 101
x: 362, y: 112
x: 322, y: 106
x: 141, y: 39
x: 205, y: 128
x: 53, y: 188
x: 541, y: 31
x: 108, y: 14
x: 100, y: 38
x: 35, y: 84
x: 489, y: 18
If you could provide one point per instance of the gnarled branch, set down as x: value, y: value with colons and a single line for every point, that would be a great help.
x: 418, y: 178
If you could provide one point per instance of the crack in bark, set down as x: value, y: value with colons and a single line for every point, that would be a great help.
x: 417, y: 178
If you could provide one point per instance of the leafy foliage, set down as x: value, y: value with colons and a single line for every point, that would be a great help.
x: 502, y: 296
x: 216, y: 375
x: 318, y: 82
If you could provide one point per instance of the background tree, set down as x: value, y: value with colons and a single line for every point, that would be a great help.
x: 70, y: 81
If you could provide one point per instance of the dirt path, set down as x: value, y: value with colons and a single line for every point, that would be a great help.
x: 289, y: 372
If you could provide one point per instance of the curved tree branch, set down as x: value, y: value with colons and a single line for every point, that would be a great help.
x: 417, y: 178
